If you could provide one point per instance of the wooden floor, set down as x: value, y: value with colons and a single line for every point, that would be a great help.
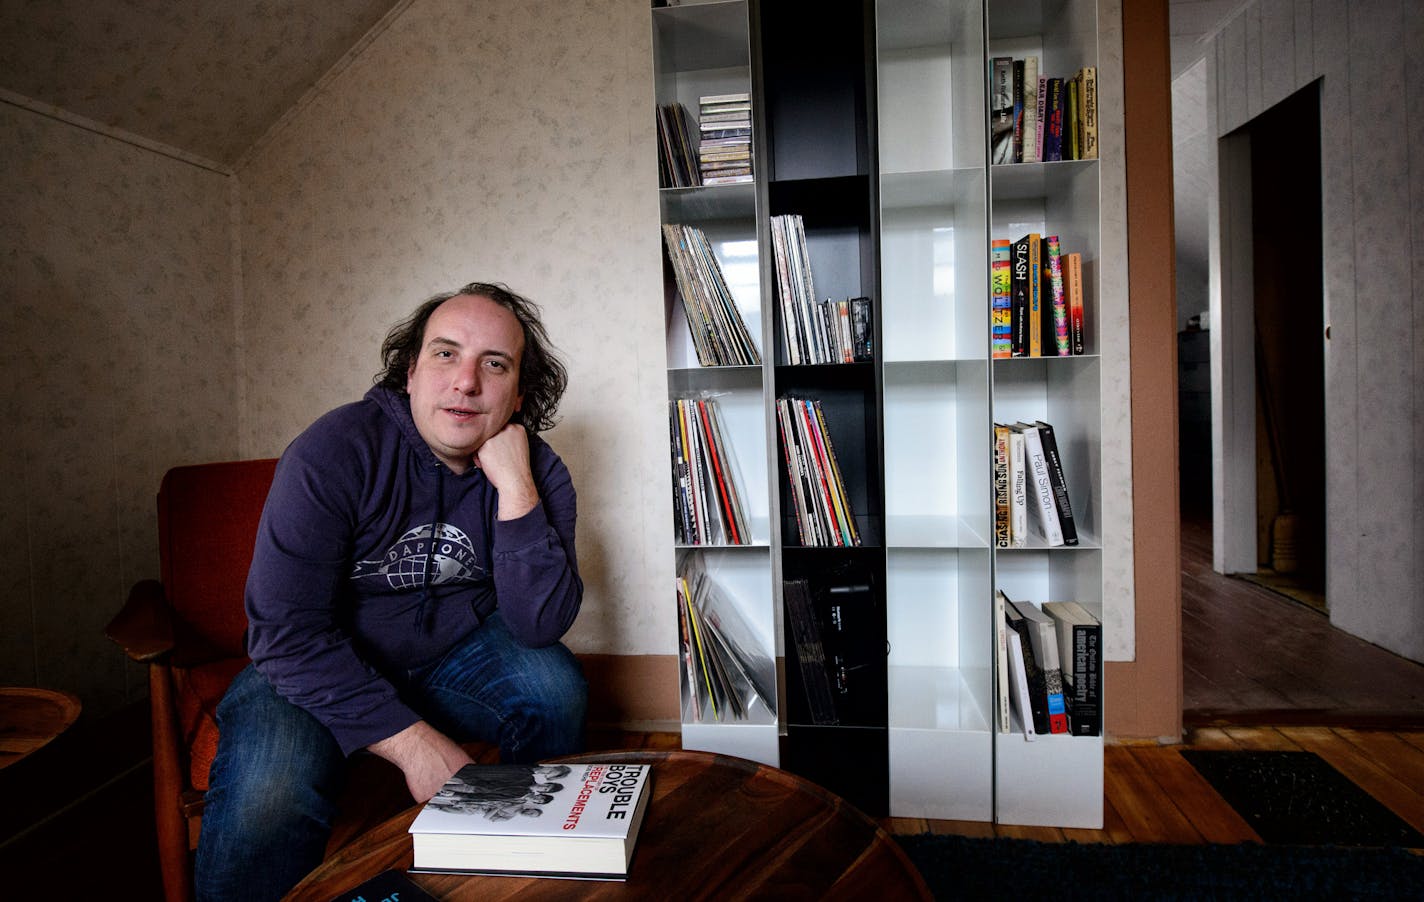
x: 1252, y: 657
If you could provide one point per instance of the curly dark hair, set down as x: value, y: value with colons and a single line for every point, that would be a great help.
x: 542, y: 377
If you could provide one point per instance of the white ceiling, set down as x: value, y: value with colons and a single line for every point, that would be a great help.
x: 208, y: 77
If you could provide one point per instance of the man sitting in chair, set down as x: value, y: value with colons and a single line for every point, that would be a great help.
x: 413, y: 573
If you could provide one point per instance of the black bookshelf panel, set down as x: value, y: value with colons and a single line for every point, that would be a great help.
x: 815, y: 82
x: 852, y: 762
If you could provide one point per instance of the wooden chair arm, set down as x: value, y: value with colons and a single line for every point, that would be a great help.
x: 143, y: 628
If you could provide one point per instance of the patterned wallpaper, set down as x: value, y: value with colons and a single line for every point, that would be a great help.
x: 165, y: 314
x: 497, y: 142
x: 118, y: 362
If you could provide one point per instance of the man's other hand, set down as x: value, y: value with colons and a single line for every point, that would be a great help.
x: 426, y: 756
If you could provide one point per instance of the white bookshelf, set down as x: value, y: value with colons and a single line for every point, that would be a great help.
x: 920, y: 433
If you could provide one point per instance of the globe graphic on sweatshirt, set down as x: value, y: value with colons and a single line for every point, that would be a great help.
x: 407, y: 561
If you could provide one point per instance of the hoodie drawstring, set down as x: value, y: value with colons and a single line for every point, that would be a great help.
x: 426, y: 579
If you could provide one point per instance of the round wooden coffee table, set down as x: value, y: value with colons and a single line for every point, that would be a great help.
x: 30, y: 718
x: 716, y: 827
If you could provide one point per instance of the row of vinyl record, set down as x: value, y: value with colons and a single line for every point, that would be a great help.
x: 719, y: 333
x: 707, y: 493
x: 727, y: 675
x: 1037, y: 307
x: 822, y: 507
x: 1030, y: 487
x: 714, y: 149
x: 1049, y: 668
x: 1039, y: 119
x: 812, y: 331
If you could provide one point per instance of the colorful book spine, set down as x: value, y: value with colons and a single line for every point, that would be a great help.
x: 1074, y: 279
x: 1035, y: 296
x: 1053, y: 138
x: 1001, y: 279
x: 1042, y: 117
x: 1061, y: 342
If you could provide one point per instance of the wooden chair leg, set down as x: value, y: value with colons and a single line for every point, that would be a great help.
x: 173, y: 861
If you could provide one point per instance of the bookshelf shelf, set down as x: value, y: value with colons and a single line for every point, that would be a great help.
x: 877, y: 136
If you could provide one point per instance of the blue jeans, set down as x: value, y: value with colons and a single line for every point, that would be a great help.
x: 274, y: 783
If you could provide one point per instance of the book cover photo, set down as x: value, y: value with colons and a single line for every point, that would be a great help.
x: 552, y: 820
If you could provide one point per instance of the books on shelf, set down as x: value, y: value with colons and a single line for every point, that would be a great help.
x: 1079, y: 651
x: 826, y: 331
x: 1042, y: 504
x: 719, y: 333
x: 1030, y: 487
x: 1036, y: 298
x: 707, y: 485
x: 1045, y: 673
x: 725, y: 138
x: 1034, y: 117
x: 727, y: 673
x: 557, y: 820
x: 819, y: 499
x: 678, y: 166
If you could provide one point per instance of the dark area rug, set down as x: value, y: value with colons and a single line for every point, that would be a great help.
x: 1297, y: 798
x: 957, y: 867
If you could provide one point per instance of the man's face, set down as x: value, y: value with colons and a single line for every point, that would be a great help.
x: 464, y: 383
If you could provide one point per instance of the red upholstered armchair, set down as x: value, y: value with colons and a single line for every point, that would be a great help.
x: 188, y: 627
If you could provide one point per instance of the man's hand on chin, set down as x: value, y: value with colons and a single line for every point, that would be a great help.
x: 505, y: 459
x: 426, y: 756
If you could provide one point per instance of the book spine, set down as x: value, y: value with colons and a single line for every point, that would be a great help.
x: 1042, y: 117
x: 1035, y: 296
x: 1037, y: 688
x: 1002, y: 536
x: 1059, y: 482
x: 1018, y: 491
x: 1001, y: 665
x: 1087, y: 719
x: 1062, y: 343
x: 1018, y: 110
x: 1001, y: 314
x: 862, y: 330
x: 1075, y: 303
x: 1019, y: 299
x: 1040, y: 486
x: 1030, y: 110
x: 1053, y: 140
x: 1071, y: 150
x: 1001, y: 110
x: 1089, y: 77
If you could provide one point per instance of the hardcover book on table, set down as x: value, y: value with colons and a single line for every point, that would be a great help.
x: 550, y: 820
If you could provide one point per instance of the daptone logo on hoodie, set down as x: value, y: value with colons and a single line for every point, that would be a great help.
x: 406, y: 563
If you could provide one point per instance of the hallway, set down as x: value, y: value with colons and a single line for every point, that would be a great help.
x: 1252, y: 657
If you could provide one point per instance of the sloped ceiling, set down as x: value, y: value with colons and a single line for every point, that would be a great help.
x: 208, y: 77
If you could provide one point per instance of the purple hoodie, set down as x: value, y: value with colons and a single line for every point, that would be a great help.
x: 342, y: 589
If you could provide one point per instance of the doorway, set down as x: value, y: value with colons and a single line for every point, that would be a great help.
x: 1289, y: 348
